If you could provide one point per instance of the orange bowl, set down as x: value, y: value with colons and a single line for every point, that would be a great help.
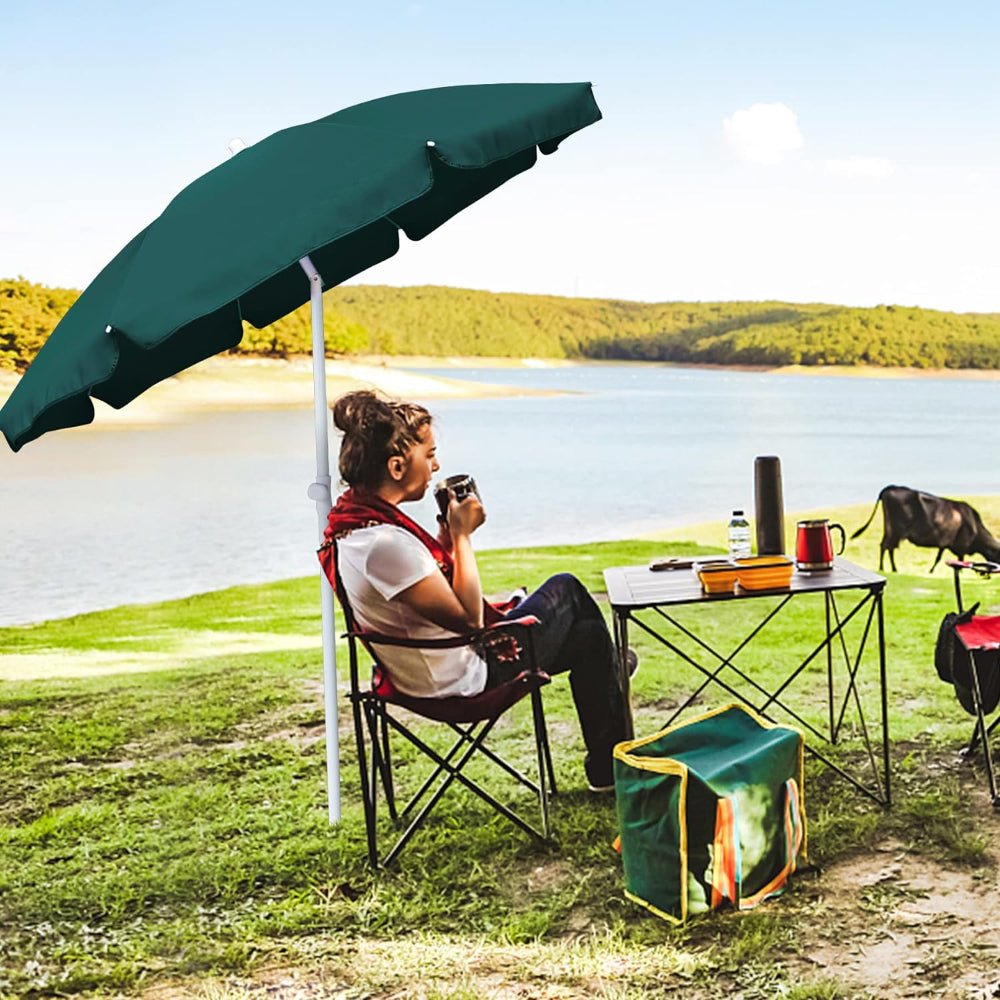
x: 717, y: 576
x: 764, y: 572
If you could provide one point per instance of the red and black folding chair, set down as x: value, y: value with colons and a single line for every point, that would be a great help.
x: 968, y: 655
x: 470, y: 718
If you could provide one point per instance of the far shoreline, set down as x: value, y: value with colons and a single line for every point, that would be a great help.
x: 419, y: 361
x: 234, y: 382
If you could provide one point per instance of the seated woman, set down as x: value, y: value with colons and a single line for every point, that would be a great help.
x: 402, y: 581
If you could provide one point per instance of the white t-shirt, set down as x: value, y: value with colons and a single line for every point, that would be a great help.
x: 378, y: 563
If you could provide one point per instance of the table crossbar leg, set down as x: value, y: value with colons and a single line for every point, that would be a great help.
x: 620, y: 623
x: 852, y: 687
x: 805, y: 663
x: 885, y: 696
x: 829, y: 670
x: 714, y: 677
x: 725, y: 661
x: 875, y: 796
x: 852, y: 668
x: 838, y: 632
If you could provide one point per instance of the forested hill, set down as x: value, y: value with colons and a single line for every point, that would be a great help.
x: 375, y: 319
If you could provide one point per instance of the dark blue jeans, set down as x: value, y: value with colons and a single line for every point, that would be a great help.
x: 573, y: 636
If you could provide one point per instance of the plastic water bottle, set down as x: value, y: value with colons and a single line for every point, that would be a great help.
x: 739, y: 536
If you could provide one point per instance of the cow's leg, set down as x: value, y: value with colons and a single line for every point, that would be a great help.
x: 892, y: 559
x: 881, y: 557
x: 937, y: 559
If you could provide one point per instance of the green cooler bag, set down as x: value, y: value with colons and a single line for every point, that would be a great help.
x: 710, y: 812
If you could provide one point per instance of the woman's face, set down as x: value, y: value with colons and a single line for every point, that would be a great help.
x: 419, y: 466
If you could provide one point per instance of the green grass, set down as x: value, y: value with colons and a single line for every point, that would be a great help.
x: 172, y: 821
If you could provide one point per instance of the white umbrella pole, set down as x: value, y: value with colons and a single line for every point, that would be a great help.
x: 320, y: 492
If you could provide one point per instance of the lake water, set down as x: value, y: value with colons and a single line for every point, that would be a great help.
x: 94, y: 519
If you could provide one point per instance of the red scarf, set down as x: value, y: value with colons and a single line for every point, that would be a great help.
x: 353, y: 510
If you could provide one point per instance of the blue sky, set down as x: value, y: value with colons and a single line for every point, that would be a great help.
x: 839, y: 152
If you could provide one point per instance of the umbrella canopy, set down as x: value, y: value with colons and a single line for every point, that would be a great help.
x: 227, y: 248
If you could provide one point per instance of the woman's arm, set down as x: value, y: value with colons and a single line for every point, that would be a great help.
x: 459, y: 607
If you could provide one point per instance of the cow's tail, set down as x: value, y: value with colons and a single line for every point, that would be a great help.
x: 869, y: 521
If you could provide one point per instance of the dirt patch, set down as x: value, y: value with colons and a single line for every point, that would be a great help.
x: 537, y: 880
x: 897, y: 925
x: 286, y: 984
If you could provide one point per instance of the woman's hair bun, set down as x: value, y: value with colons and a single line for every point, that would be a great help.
x: 359, y: 410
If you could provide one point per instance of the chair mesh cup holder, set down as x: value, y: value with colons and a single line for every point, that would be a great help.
x: 967, y: 655
x: 380, y: 712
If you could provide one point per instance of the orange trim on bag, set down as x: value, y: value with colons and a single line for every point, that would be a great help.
x: 793, y: 841
x: 725, y: 866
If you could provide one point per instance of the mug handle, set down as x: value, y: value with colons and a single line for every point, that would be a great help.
x: 843, y: 537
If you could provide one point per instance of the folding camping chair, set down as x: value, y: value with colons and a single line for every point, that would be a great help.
x: 470, y: 718
x: 968, y: 655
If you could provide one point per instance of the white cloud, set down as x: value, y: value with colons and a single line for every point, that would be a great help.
x: 860, y: 166
x: 763, y: 133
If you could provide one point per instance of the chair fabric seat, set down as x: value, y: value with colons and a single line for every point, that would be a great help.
x: 474, y: 708
x: 982, y: 632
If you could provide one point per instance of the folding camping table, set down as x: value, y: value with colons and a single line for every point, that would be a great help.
x: 649, y: 599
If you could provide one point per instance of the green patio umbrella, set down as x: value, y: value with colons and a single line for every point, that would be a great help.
x: 262, y: 233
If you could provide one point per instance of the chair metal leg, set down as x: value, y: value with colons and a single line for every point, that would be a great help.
x: 385, y: 764
x: 472, y: 739
x: 454, y: 771
x: 361, y: 726
x: 505, y: 765
x: 376, y: 754
x: 547, y: 749
x: 372, y: 722
x: 465, y: 735
x: 543, y: 765
x: 541, y: 731
x: 977, y: 698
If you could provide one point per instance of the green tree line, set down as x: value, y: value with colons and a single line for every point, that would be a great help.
x: 437, y: 321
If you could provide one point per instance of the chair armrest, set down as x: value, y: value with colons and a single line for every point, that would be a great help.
x: 448, y: 642
x: 984, y: 568
x: 525, y: 620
